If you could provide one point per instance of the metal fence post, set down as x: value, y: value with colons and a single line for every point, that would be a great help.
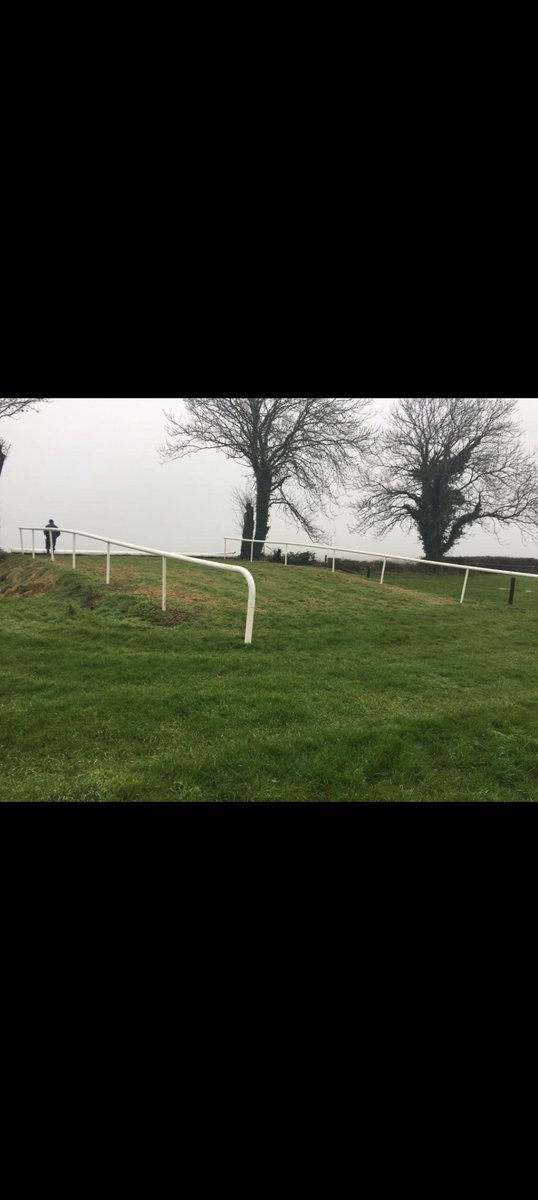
x: 33, y: 543
x: 108, y: 562
x: 465, y: 582
x: 252, y: 552
x: 334, y: 561
x: 251, y: 610
x: 74, y: 551
x: 512, y: 590
x: 383, y: 571
x: 164, y: 585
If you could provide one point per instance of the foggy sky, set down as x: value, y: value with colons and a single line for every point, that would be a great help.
x: 94, y: 465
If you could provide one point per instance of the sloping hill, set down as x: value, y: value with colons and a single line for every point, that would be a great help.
x: 350, y: 692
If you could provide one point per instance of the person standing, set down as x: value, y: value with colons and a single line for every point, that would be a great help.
x: 51, y: 538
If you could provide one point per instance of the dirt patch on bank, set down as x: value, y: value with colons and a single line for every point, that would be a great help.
x: 25, y: 580
x: 425, y: 596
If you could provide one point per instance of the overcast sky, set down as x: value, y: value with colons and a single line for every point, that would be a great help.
x: 94, y: 465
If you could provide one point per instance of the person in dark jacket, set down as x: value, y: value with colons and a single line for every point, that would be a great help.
x: 51, y: 537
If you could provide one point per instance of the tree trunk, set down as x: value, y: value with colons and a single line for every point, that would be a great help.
x: 433, y: 548
x: 433, y: 515
x: 248, y: 531
x: 263, y: 504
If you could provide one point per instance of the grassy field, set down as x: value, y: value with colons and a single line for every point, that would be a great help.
x: 351, y: 692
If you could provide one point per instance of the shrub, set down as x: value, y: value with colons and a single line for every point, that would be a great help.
x: 307, y: 559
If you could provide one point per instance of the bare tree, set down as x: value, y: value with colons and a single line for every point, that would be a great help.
x: 444, y: 466
x: 301, y: 450
x: 14, y: 408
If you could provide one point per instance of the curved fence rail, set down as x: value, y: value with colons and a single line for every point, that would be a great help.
x: 383, y: 557
x: 162, y: 554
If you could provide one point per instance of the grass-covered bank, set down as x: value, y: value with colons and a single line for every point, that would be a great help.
x: 350, y: 692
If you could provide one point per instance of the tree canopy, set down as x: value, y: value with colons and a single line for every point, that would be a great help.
x: 301, y: 450
x: 445, y: 465
x: 14, y: 408
x: 10, y: 407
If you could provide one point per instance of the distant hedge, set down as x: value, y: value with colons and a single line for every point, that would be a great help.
x: 353, y: 566
x: 499, y: 563
x: 294, y: 560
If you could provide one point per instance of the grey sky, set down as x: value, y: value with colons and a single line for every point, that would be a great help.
x: 94, y: 465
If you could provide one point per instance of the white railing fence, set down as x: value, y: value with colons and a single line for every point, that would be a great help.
x: 380, y: 556
x: 162, y: 554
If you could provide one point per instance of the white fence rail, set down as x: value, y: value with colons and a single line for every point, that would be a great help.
x: 381, y: 556
x: 162, y: 554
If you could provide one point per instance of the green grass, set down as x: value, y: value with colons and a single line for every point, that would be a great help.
x: 351, y: 692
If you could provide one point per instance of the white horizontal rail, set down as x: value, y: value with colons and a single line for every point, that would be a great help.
x: 382, y: 556
x: 163, y: 554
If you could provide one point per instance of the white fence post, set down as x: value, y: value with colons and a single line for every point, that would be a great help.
x: 108, y: 563
x: 334, y: 561
x: 164, y: 585
x: 250, y: 611
x: 464, y: 587
x: 225, y: 549
x: 74, y: 551
x: 33, y: 543
x: 383, y: 571
x: 52, y: 547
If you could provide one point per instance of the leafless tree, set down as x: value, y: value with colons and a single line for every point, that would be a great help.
x: 14, y: 408
x: 302, y: 450
x: 444, y: 466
